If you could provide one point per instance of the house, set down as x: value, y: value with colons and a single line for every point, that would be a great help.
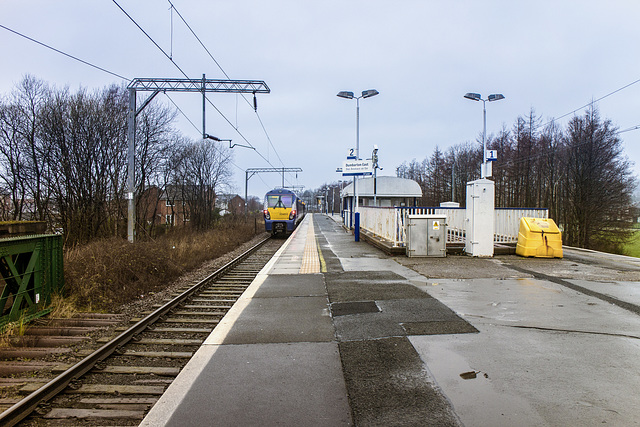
x: 230, y: 204
x: 164, y: 207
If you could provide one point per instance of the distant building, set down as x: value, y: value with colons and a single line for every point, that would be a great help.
x: 164, y: 207
x: 230, y: 204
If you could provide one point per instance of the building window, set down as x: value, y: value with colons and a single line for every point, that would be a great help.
x: 169, y: 219
x: 168, y: 202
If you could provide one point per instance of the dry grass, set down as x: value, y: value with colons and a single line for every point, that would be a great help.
x: 105, y: 274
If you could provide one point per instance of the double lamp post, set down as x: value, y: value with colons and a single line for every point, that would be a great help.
x: 349, y: 95
x: 490, y: 98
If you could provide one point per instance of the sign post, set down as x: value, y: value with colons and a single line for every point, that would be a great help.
x: 356, y: 167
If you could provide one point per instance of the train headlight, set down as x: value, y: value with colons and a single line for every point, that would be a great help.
x: 292, y: 215
x: 266, y: 214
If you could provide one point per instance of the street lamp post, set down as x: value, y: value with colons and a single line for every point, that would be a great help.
x: 490, y: 98
x: 349, y: 95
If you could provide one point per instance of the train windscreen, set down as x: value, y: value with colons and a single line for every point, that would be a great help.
x: 283, y: 201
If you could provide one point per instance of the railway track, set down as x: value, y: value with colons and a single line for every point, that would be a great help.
x: 119, y: 383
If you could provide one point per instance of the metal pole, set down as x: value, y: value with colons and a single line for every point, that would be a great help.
x: 131, y: 136
x: 453, y: 179
x: 375, y: 170
x: 204, y: 132
x: 246, y: 190
x: 484, y: 133
x: 355, y: 180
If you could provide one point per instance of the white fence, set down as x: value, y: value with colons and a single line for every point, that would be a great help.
x: 389, y: 223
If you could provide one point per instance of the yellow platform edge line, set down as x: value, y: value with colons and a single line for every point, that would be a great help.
x: 323, y: 265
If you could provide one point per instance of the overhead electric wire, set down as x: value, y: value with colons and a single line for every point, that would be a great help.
x: 182, y: 112
x: 186, y: 76
x: 115, y: 74
x: 198, y: 129
x: 227, y: 76
x: 65, y: 54
x: 150, y: 38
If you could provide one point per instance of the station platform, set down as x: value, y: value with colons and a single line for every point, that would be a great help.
x: 318, y: 339
x: 334, y: 332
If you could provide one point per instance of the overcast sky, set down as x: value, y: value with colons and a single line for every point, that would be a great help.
x: 422, y: 56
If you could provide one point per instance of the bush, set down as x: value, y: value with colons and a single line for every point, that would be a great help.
x: 107, y: 273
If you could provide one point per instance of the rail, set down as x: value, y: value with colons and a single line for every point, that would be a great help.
x: 389, y: 223
x: 22, y: 409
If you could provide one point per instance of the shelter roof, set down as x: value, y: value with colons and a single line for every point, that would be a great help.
x: 386, y: 186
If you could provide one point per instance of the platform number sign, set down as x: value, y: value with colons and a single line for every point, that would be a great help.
x: 491, y: 155
x: 352, y: 154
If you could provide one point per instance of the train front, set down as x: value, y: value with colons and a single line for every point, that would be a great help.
x: 279, y: 211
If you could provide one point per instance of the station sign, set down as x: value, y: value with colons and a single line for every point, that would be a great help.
x: 357, y: 167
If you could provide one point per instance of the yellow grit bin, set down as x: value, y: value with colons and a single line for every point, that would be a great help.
x: 539, y: 237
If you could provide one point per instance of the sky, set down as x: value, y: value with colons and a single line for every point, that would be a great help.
x: 421, y: 55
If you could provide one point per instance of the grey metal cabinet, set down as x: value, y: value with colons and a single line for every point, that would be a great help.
x: 426, y: 236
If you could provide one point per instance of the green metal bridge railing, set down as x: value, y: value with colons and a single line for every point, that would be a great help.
x: 31, y: 271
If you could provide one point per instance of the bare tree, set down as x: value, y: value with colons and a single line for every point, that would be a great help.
x: 204, y: 169
x: 598, y: 183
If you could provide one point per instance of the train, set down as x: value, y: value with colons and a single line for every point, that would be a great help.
x: 283, y: 211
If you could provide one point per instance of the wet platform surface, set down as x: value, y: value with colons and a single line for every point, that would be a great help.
x: 333, y: 332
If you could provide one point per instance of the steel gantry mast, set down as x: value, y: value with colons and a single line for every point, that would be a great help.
x: 156, y: 86
x: 252, y: 171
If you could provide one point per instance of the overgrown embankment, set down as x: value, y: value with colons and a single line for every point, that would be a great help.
x: 105, y: 274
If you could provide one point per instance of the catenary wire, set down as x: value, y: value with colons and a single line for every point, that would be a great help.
x: 113, y: 74
x: 197, y: 129
x: 186, y: 76
x: 227, y: 76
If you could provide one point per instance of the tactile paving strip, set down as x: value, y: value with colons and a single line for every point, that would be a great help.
x: 310, y: 259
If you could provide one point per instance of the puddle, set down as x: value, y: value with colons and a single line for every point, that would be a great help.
x: 472, y: 375
x: 475, y: 399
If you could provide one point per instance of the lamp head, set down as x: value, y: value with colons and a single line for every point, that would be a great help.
x: 495, y: 97
x: 344, y: 94
x: 473, y: 96
x: 369, y: 93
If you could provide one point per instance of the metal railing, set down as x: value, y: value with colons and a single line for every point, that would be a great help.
x: 507, y: 222
x: 389, y: 223
x: 31, y: 272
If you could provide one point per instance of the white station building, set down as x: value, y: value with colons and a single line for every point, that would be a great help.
x: 389, y: 191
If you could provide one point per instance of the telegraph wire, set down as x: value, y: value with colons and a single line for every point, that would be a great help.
x: 555, y: 119
x: 591, y: 103
x: 65, y: 54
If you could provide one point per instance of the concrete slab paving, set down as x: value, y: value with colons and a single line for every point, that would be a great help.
x: 444, y: 342
x: 545, y: 355
x: 624, y: 291
x: 259, y: 385
x: 276, y: 320
x: 292, y: 285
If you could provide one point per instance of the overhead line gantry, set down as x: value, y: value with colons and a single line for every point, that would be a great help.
x: 252, y: 171
x: 157, y: 85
